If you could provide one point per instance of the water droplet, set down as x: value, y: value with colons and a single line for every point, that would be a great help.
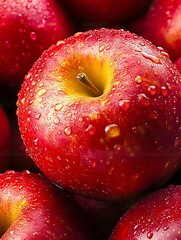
x: 28, y: 76
x: 124, y: 104
x: 33, y: 36
x: 174, y: 99
x: 35, y: 141
x: 101, y: 48
x: 117, y: 147
x: 165, y: 54
x: 60, y: 43
x: 68, y: 130
x: 164, y: 91
x: 56, y: 121
x: 108, y: 47
x: 152, y: 90
x: 91, y: 130
x: 149, y: 235
x: 177, y: 142
x: 157, y: 229
x: 138, y: 79
x: 40, y: 100
x: 42, y: 92
x: 143, y: 230
x: 69, y: 114
x: 151, y: 57
x: 166, y: 228
x: 58, y: 106
x: 22, y: 100
x: 112, y: 131
x: 136, y: 227
x: 143, y: 99
x: 41, y: 84
x: 38, y: 115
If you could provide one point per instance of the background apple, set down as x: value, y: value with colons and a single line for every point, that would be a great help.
x: 105, y: 11
x: 156, y: 216
x: 27, y: 29
x: 161, y: 24
x: 99, y: 113
x: 5, y: 140
x: 33, y: 208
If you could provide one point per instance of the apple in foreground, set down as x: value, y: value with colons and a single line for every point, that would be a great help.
x: 156, y: 216
x: 100, y: 114
x: 105, y: 10
x: 161, y: 24
x: 33, y: 208
x: 5, y: 140
x: 27, y: 28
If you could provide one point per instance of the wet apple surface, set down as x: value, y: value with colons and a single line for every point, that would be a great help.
x: 32, y: 208
x: 155, y: 216
x: 112, y: 146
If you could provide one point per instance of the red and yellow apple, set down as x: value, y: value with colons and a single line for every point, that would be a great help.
x: 32, y: 208
x: 100, y: 114
x: 157, y: 216
x: 27, y: 28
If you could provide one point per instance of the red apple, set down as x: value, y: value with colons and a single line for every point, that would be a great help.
x: 100, y: 113
x: 5, y: 140
x: 27, y: 28
x: 161, y: 24
x: 105, y: 11
x: 32, y: 208
x: 156, y: 217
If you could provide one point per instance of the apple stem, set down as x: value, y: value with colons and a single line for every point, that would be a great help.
x: 82, y: 77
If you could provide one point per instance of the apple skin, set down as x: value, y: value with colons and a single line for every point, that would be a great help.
x: 27, y: 29
x: 5, y: 140
x: 155, y: 216
x: 105, y: 11
x: 114, y: 146
x: 161, y: 24
x: 33, y: 208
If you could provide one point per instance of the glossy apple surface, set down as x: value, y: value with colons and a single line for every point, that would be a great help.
x: 33, y: 208
x: 161, y: 24
x: 5, y: 140
x: 105, y: 10
x: 27, y: 28
x: 99, y: 113
x: 156, y: 217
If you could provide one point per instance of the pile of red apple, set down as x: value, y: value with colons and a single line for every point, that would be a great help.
x: 90, y: 118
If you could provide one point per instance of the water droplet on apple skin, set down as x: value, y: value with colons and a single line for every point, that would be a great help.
x: 67, y: 131
x: 112, y: 131
x: 124, y: 104
x: 149, y: 235
x: 33, y: 36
